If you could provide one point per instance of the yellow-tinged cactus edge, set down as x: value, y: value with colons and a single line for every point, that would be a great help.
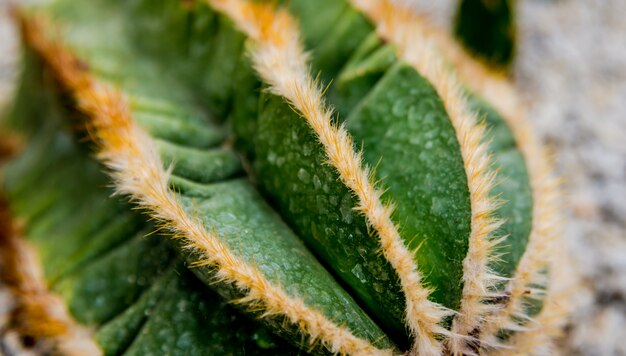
x: 35, y: 311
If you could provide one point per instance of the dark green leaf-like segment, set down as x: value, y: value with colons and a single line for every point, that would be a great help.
x: 191, y: 320
x: 235, y: 209
x: 370, y: 64
x: 513, y: 189
x: 487, y: 29
x: 290, y: 168
x: 425, y: 179
x: 333, y: 33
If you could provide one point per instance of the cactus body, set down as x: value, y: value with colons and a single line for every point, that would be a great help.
x: 402, y: 208
x: 487, y: 29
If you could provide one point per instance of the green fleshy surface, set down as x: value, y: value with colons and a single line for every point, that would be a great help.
x: 368, y: 65
x: 315, y: 29
x: 191, y: 320
x: 117, y: 334
x: 513, y: 188
x: 422, y: 173
x: 201, y: 47
x: 309, y: 195
x: 255, y: 233
x: 178, y: 131
x: 107, y: 285
x: 203, y: 166
x: 243, y: 117
x: 345, y: 37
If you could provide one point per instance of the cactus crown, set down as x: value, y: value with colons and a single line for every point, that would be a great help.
x: 394, y: 202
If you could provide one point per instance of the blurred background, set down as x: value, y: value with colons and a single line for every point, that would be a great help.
x: 570, y: 68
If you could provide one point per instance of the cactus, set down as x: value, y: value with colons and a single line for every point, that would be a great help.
x: 487, y: 29
x: 314, y: 177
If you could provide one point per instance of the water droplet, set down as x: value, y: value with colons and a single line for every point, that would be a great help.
x: 304, y: 176
x: 400, y: 107
x: 271, y: 157
x: 378, y: 287
x: 357, y: 271
x: 228, y: 217
x: 306, y: 150
x: 438, y: 206
x: 316, y: 182
x: 346, y: 209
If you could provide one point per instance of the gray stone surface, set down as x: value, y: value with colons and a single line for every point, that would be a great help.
x: 571, y: 71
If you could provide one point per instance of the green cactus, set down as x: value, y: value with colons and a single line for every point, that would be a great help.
x: 487, y: 29
x: 193, y: 182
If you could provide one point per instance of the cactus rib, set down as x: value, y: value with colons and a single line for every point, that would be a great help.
x: 281, y: 62
x: 544, y: 235
x: 39, y: 313
x: 548, y: 325
x: 398, y: 24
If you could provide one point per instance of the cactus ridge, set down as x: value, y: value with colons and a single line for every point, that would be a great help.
x: 40, y: 311
x: 399, y: 25
x: 281, y: 63
x: 530, y: 274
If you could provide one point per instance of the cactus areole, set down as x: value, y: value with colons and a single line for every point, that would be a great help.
x: 250, y: 177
